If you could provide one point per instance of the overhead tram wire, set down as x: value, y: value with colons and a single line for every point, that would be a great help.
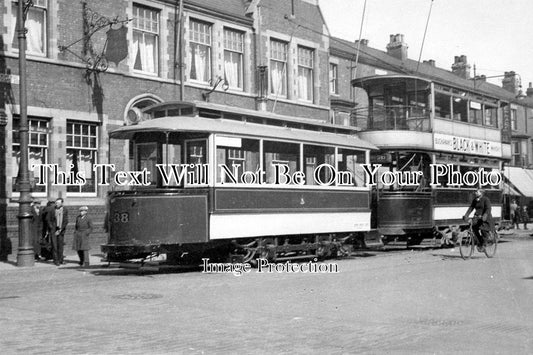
x: 422, y: 48
x: 358, y: 48
x: 424, y: 38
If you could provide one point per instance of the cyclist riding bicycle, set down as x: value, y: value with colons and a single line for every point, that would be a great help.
x: 482, y: 222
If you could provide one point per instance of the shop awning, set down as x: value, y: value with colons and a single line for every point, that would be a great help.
x: 520, y: 180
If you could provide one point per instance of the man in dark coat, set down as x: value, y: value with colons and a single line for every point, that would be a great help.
x: 36, y: 228
x: 57, y: 221
x: 82, y: 230
x: 482, y: 222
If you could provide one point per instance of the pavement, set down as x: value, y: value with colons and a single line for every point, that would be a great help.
x: 96, y: 257
x: 405, y: 301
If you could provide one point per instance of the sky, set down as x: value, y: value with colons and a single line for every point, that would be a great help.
x: 495, y: 35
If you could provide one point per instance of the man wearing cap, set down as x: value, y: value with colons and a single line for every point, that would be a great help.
x: 482, y: 222
x: 83, y: 229
x: 57, y: 221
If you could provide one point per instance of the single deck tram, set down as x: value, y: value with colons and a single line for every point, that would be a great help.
x: 238, y: 184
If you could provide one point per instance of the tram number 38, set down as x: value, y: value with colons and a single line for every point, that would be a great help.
x: 121, y: 217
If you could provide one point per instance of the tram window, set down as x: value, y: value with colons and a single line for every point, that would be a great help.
x: 491, y: 116
x: 460, y: 109
x: 280, y: 153
x: 378, y: 112
x: 464, y: 169
x: 171, y: 154
x: 146, y: 154
x: 489, y: 186
x: 475, y: 114
x: 315, y: 156
x: 239, y: 156
x: 350, y: 161
x: 196, y: 152
x: 442, y: 105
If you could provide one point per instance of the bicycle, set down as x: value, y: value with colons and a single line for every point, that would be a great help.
x: 468, y: 240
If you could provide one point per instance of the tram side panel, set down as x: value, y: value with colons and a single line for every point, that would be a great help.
x: 240, y: 212
x: 402, y: 213
x: 142, y: 222
x: 450, y: 205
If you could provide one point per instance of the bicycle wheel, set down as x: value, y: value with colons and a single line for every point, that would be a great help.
x: 491, y: 244
x: 466, y: 244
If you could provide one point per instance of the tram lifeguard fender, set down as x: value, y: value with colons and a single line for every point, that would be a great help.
x: 391, y: 231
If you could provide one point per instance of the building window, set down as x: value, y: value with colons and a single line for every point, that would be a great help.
x: 516, y: 153
x: 35, y: 25
x: 333, y: 79
x: 278, y: 68
x: 145, y: 39
x: 82, y: 147
x: 305, y: 73
x: 199, y: 51
x: 491, y: 116
x: 37, y: 149
x: 514, y: 125
x: 233, y: 56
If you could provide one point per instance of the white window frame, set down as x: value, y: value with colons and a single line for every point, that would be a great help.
x: 93, y: 150
x: 234, y: 46
x: 514, y: 119
x: 146, y: 30
x: 279, y: 51
x: 306, y: 60
x: 43, y: 147
x: 40, y: 6
x: 333, y: 78
x: 203, y: 38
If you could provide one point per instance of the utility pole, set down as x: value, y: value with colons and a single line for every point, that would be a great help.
x: 25, y: 255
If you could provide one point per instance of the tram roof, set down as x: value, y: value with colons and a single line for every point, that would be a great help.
x: 214, y: 110
x: 387, y: 79
x: 231, y: 127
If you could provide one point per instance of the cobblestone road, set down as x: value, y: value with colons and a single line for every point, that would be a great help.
x: 428, y: 301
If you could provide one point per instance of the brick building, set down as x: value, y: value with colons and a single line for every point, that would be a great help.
x: 93, y: 65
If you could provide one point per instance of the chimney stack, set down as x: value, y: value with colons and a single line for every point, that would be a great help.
x: 511, y: 82
x: 397, y: 48
x: 430, y: 62
x: 529, y: 91
x: 460, y: 67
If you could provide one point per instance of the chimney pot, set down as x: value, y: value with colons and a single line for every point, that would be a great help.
x: 529, y: 91
x: 511, y: 82
x: 397, y: 47
x: 460, y: 67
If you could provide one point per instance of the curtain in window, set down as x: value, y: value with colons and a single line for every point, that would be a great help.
x: 145, y: 48
x: 277, y: 77
x: 35, y: 42
x: 35, y: 24
x: 305, y: 82
x: 232, y: 68
x: 199, y: 62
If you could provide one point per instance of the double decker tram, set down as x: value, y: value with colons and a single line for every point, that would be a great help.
x: 229, y: 183
x: 430, y: 130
